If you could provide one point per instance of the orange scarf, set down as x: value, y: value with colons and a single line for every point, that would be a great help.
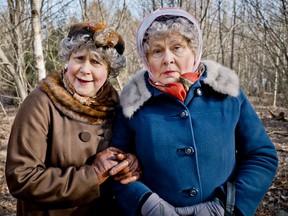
x: 179, y: 89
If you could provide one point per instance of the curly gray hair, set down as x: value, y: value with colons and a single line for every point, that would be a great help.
x: 166, y: 25
x: 110, y: 55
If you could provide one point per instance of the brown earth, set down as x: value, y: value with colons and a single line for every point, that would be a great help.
x: 274, y: 203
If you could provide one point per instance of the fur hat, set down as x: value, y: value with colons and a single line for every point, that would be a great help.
x: 103, y: 37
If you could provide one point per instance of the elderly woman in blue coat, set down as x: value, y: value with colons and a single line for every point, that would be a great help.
x: 191, y: 127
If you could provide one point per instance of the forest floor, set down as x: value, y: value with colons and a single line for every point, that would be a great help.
x: 275, y: 203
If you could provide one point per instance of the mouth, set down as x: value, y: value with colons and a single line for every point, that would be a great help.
x: 84, y: 81
x: 169, y: 72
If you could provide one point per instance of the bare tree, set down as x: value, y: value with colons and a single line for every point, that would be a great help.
x: 233, y: 35
x: 11, y: 70
x: 37, y: 42
x: 83, y: 4
x: 221, y: 31
x: 15, y: 51
x: 248, y: 35
x: 16, y: 18
x: 270, y: 33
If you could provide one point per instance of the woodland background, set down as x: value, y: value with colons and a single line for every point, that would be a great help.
x: 249, y: 36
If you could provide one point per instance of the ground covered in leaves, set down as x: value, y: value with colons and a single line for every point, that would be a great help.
x: 275, y: 202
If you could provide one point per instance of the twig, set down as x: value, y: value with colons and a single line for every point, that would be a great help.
x: 283, y: 133
x: 3, y: 109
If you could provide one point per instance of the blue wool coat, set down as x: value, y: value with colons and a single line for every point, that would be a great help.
x: 187, y: 150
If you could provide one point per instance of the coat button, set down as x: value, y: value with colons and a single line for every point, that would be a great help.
x: 85, y: 136
x: 193, y: 192
x: 108, y: 135
x: 198, y: 91
x: 189, y: 150
x: 184, y: 114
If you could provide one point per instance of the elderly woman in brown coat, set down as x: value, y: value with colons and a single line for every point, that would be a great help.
x: 58, y: 162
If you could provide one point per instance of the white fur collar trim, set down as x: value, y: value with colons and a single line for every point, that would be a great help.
x: 220, y: 78
x: 134, y: 94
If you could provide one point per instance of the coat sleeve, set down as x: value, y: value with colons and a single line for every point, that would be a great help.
x: 28, y: 177
x: 256, y: 159
x: 127, y: 196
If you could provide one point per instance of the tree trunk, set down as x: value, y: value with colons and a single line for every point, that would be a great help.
x: 220, y: 33
x: 20, y: 88
x: 233, y: 35
x: 37, y: 42
x: 275, y: 85
x: 16, y: 10
x: 83, y: 4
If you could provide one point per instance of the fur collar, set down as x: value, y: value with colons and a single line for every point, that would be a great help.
x: 102, y: 110
x: 220, y: 78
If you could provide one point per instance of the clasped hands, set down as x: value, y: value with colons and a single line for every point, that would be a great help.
x: 124, y: 167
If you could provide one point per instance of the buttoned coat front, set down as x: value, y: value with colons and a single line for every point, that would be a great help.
x: 188, y: 150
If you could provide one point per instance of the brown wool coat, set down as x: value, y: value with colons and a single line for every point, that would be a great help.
x: 49, y: 158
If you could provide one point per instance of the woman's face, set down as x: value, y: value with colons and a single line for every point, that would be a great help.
x: 86, y: 72
x: 169, y: 57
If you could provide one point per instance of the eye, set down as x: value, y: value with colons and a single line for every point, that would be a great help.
x: 157, y: 52
x: 79, y: 58
x: 96, y: 62
x: 177, y: 48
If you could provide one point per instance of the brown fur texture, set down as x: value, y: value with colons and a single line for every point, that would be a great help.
x: 101, y: 110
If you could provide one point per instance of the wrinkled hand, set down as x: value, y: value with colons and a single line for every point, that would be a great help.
x: 212, y: 208
x: 104, y: 161
x: 128, y: 170
x: 155, y: 206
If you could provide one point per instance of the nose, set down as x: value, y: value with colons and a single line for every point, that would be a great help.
x: 85, y: 68
x: 168, y: 57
